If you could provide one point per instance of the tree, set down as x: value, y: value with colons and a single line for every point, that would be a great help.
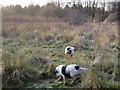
x: 30, y: 10
x: 52, y: 10
x: 119, y: 10
x: 113, y: 6
x: 93, y: 11
x: 18, y: 9
x: 103, y: 5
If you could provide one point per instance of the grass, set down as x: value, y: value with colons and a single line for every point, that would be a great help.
x: 23, y: 42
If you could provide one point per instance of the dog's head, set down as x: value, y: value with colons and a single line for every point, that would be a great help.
x: 55, y: 71
x: 75, y: 49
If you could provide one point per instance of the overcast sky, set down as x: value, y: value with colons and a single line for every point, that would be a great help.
x: 35, y: 2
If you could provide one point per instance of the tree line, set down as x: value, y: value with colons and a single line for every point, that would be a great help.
x: 73, y: 12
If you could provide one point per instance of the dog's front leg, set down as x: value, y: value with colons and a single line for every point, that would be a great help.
x: 58, y: 79
x: 64, y: 82
x: 73, y: 79
x: 64, y: 79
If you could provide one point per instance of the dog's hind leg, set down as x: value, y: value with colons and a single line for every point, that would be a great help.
x: 74, y: 77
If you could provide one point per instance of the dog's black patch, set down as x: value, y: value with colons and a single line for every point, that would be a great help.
x: 55, y: 71
x: 76, y: 67
x: 63, y: 71
x: 69, y: 51
x: 68, y: 48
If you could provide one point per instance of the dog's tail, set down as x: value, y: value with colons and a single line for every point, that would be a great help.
x: 84, y: 69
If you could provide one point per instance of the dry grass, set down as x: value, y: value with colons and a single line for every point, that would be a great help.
x: 96, y: 49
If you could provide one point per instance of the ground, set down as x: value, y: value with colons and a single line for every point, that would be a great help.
x: 31, y: 51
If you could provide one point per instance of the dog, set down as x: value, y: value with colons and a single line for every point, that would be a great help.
x: 65, y: 71
x: 69, y: 51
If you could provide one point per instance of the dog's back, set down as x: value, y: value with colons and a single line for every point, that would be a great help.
x: 73, y: 69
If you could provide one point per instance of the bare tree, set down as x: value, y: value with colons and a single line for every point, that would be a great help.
x: 94, y: 6
x: 93, y: 9
x: 103, y: 5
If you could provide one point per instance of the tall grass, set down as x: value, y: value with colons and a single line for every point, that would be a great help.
x: 96, y: 50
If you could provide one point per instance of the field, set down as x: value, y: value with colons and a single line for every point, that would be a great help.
x: 32, y: 50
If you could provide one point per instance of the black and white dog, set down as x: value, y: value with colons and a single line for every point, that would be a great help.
x: 69, y: 51
x: 64, y: 71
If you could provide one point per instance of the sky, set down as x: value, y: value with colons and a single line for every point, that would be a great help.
x: 35, y: 2
x: 23, y: 2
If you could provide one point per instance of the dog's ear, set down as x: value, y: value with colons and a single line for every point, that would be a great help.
x: 68, y: 48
